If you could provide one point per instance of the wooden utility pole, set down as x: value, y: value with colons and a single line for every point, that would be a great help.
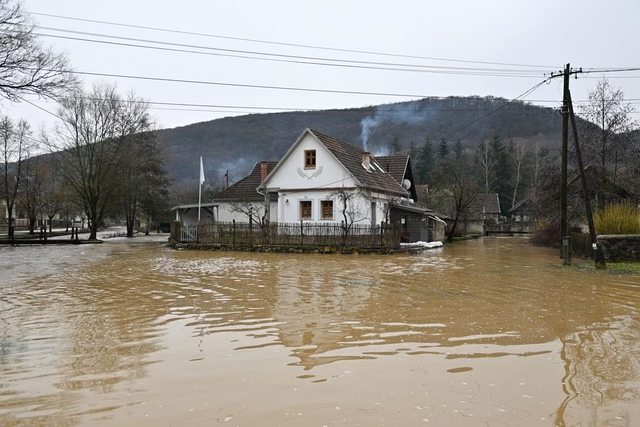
x: 564, y: 234
x: 564, y: 229
x: 598, y: 255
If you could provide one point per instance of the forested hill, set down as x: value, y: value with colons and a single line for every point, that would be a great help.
x: 236, y: 143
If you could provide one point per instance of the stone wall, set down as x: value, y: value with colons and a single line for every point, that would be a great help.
x: 622, y: 247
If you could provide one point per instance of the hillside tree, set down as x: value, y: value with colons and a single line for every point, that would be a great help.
x: 426, y: 162
x: 502, y: 172
x: 443, y: 149
x: 486, y: 164
x: 518, y: 156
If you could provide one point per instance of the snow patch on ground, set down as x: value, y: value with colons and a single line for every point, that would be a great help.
x: 422, y: 245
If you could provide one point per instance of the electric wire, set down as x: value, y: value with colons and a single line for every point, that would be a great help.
x: 270, y: 54
x: 306, y: 46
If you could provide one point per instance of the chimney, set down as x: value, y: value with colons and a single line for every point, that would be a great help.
x: 263, y: 171
x: 366, y: 160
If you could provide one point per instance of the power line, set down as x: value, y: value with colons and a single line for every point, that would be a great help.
x: 41, y: 108
x: 277, y: 55
x: 433, y: 71
x: 378, y: 111
x: 334, y: 49
x: 211, y: 83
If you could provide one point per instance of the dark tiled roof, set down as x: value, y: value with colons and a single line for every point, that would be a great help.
x: 489, y: 202
x: 524, y: 205
x: 351, y: 157
x: 396, y: 165
x: 245, y: 189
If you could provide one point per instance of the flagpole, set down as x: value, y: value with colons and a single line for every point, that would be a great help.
x: 200, y: 188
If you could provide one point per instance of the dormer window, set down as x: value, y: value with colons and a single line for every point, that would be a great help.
x: 309, y: 159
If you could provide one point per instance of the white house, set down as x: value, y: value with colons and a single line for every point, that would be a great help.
x: 323, y: 179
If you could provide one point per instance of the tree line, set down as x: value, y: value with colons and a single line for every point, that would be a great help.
x: 102, y: 159
x: 455, y: 175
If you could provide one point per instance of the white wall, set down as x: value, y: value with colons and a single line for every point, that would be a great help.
x: 329, y: 172
x: 289, y: 209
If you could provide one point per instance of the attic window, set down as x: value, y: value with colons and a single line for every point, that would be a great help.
x: 309, y: 159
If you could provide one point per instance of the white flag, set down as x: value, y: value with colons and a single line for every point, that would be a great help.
x: 201, y: 172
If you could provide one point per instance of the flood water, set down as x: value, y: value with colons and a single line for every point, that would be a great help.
x: 490, y: 332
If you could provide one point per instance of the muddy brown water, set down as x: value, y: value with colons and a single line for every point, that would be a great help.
x: 491, y: 332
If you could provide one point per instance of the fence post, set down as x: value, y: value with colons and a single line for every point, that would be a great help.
x: 301, y: 234
x: 250, y: 230
x: 381, y: 234
x: 233, y: 233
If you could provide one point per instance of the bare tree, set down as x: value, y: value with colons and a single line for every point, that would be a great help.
x: 354, y: 208
x: 455, y: 190
x: 255, y: 211
x: 26, y: 67
x: 32, y: 199
x: 54, y: 196
x: 607, y: 147
x: 143, y: 177
x: 15, y: 145
x: 487, y: 162
x: 518, y: 153
x: 89, y: 146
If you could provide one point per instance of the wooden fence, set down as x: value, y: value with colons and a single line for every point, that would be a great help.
x: 303, y: 234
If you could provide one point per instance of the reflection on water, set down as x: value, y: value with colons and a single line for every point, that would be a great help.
x: 488, y: 332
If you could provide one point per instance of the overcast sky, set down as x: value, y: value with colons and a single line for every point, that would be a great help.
x: 535, y: 37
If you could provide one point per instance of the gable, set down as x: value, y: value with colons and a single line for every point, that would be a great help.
x: 245, y: 189
x: 293, y: 173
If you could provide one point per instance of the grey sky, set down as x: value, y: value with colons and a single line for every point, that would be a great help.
x: 587, y: 34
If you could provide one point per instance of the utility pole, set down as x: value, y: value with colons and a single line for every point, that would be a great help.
x: 564, y: 232
x: 596, y: 249
x: 226, y: 179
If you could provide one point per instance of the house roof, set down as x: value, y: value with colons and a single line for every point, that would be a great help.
x: 193, y: 206
x: 245, y: 189
x: 523, y: 205
x: 399, y: 167
x: 396, y: 165
x: 377, y: 178
x: 489, y: 201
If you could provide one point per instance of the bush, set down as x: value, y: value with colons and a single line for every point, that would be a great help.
x: 623, y: 218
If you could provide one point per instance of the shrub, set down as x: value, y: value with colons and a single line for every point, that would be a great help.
x: 623, y: 218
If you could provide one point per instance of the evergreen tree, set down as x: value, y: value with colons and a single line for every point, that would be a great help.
x: 443, y: 150
x: 425, y: 163
x: 396, y: 147
x: 458, y: 151
x: 502, y: 172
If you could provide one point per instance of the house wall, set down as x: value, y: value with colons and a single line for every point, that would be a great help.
x: 415, y: 226
x: 190, y: 216
x: 364, y: 212
x: 329, y: 172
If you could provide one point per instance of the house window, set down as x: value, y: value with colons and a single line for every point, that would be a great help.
x: 374, y: 220
x: 309, y: 159
x: 305, y: 209
x: 327, y: 209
